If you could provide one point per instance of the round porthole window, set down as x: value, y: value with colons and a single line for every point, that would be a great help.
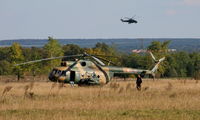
x: 83, y: 64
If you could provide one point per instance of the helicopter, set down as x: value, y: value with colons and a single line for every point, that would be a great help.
x: 90, y: 69
x: 129, y: 20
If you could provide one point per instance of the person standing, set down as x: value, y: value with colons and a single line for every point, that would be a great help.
x: 138, y: 82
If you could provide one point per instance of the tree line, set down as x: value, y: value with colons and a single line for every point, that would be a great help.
x: 177, y: 64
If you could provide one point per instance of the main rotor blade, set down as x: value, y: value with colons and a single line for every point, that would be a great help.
x: 105, y: 56
x: 153, y: 57
x: 47, y: 59
x: 93, y: 57
x: 106, y: 60
x: 99, y: 61
x: 71, y: 66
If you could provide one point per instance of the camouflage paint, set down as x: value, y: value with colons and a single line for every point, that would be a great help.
x: 85, y: 68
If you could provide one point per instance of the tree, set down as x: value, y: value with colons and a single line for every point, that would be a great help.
x: 34, y: 54
x: 4, y: 53
x: 52, y: 49
x: 16, y: 56
x: 182, y: 61
x: 171, y: 64
x: 195, y: 60
x: 72, y: 49
x: 105, y: 50
x: 5, y: 67
x: 159, y: 47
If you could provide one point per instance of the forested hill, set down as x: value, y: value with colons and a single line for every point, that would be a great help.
x: 125, y: 45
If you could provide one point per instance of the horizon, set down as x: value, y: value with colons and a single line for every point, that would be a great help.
x: 91, y: 38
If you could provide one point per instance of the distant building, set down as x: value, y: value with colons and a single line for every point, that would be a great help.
x: 144, y: 51
x: 171, y: 50
x: 139, y: 51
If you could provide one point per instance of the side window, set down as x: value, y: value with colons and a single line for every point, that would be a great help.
x: 83, y: 64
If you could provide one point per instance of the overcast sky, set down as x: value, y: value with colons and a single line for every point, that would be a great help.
x: 99, y: 19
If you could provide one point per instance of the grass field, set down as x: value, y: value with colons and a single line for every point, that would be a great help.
x: 158, y: 100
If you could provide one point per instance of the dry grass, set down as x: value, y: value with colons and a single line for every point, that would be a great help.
x: 158, y: 100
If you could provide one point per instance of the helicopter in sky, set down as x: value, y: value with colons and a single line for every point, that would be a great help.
x: 129, y: 20
x: 90, y: 69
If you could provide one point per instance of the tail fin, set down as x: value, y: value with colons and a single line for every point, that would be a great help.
x: 122, y: 20
x: 157, y: 62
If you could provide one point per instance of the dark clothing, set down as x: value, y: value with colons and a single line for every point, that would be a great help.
x: 138, y: 83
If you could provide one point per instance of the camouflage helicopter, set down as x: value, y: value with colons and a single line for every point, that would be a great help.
x: 90, y: 70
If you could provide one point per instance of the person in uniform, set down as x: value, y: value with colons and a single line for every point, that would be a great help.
x: 138, y: 82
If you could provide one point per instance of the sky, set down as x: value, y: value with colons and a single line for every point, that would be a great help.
x: 65, y: 19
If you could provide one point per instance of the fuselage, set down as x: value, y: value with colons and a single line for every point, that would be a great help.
x: 88, y: 72
x: 129, y: 21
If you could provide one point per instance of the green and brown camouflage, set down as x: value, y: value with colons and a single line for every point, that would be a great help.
x: 90, y: 70
x: 91, y: 73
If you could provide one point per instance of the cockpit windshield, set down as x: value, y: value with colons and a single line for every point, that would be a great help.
x: 59, y: 72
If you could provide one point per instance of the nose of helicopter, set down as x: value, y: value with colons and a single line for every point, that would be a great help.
x: 57, y: 76
x: 52, y: 78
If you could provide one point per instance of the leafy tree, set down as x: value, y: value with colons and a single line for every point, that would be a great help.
x: 72, y: 49
x: 5, y: 67
x: 16, y: 56
x: 159, y: 47
x: 171, y: 64
x: 4, y: 53
x: 195, y: 65
x: 134, y: 61
x: 34, y: 54
x: 182, y: 60
x: 107, y: 52
x: 103, y: 47
x: 52, y: 49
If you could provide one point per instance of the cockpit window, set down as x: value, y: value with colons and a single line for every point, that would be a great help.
x: 54, y: 71
x: 63, y: 73
x: 59, y: 72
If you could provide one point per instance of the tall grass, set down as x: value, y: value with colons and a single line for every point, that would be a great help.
x: 160, y: 100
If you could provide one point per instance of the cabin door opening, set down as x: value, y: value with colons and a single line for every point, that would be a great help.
x: 72, y: 76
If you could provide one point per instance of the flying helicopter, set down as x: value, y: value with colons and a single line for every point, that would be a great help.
x: 90, y: 69
x: 129, y: 20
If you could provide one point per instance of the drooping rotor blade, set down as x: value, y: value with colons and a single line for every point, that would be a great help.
x: 104, y: 56
x: 71, y: 66
x: 106, y: 60
x: 153, y: 57
x: 99, y: 61
x: 93, y: 57
x: 47, y: 59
